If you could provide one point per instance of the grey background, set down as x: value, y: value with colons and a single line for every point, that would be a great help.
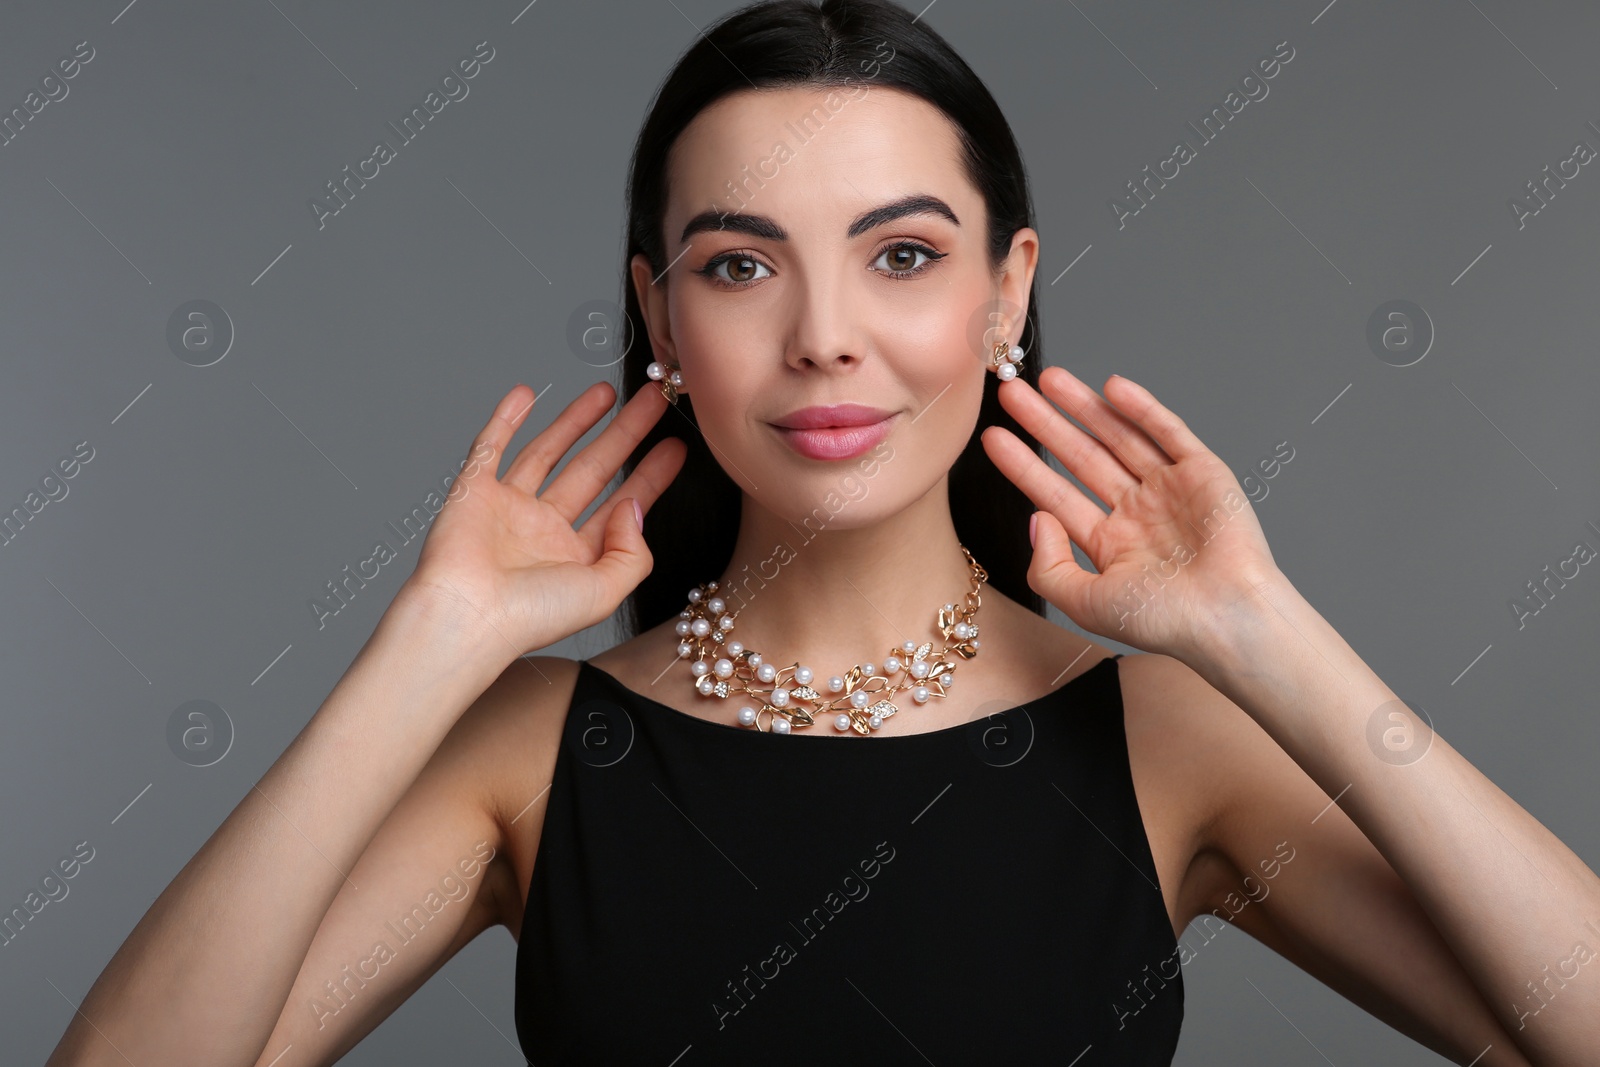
x: 1419, y: 501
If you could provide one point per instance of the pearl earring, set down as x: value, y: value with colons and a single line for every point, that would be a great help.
x: 670, y: 377
x: 1004, y: 360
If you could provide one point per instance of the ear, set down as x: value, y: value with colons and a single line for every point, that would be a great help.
x: 1016, y: 274
x: 653, y: 306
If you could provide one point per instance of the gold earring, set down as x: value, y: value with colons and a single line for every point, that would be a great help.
x: 669, y: 377
x: 1004, y: 359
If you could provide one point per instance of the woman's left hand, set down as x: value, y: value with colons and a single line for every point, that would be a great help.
x: 1180, y: 550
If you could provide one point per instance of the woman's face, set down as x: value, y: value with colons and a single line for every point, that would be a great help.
x: 825, y: 309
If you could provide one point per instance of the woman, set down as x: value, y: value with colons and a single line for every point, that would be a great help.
x: 832, y: 262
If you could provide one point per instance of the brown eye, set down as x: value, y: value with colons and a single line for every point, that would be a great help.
x: 741, y: 270
x: 901, y: 258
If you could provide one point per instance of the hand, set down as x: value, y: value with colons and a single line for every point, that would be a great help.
x: 500, y: 555
x: 1181, y: 548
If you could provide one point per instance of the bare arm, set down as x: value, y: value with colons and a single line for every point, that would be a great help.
x: 205, y: 974
x: 202, y: 977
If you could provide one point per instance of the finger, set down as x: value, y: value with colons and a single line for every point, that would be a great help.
x: 1160, y: 422
x: 1083, y: 454
x: 1043, y: 486
x: 626, y: 558
x: 1121, y: 435
x: 588, y: 473
x: 645, y: 485
x: 533, y: 464
x: 1054, y: 572
x: 491, y: 441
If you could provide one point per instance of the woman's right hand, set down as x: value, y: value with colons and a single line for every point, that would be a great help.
x: 505, y: 557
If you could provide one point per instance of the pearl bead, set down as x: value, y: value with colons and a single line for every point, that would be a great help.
x: 891, y: 665
x: 911, y: 646
x: 868, y: 670
x: 685, y: 650
x: 698, y: 668
x: 655, y: 372
x: 835, y: 684
x: 803, y: 675
x: 780, y: 726
x: 725, y: 622
x: 747, y: 716
x: 962, y: 630
x: 875, y: 722
x: 724, y: 668
x: 859, y: 699
x: 734, y: 648
x: 975, y: 643
x: 780, y: 698
x: 700, y: 627
x: 694, y: 596
x: 841, y: 723
x: 716, y: 605
x: 682, y: 627
x: 755, y: 659
x: 1006, y: 371
x: 766, y: 672
x: 676, y: 378
x: 919, y: 669
x: 948, y: 679
x: 1015, y: 354
x: 920, y: 694
x: 704, y: 685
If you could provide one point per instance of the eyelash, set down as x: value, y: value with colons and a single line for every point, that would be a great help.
x: 933, y: 256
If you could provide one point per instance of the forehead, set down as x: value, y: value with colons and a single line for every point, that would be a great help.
x: 811, y: 155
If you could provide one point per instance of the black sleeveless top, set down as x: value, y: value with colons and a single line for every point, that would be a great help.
x: 709, y: 894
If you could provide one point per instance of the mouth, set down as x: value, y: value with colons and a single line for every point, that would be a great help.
x: 834, y: 431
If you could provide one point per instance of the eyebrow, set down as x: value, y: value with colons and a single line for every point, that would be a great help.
x: 765, y: 227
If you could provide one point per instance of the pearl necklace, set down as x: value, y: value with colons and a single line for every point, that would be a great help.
x: 860, y: 699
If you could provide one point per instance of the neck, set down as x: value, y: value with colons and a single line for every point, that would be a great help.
x: 832, y: 597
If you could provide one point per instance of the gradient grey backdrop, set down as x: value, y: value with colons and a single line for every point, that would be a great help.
x: 1419, y: 502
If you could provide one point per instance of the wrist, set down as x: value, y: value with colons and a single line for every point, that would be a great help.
x: 1240, y: 623
x: 440, y: 624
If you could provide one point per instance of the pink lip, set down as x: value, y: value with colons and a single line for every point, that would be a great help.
x: 835, y: 431
x: 831, y: 416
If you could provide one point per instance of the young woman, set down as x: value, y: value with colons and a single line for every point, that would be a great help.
x: 891, y: 814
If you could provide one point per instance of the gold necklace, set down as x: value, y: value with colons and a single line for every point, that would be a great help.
x: 790, y: 697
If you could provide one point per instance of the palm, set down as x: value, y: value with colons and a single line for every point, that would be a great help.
x: 507, y: 556
x: 1180, y: 543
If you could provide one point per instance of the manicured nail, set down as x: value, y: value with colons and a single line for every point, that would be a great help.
x: 638, y: 515
x: 1033, y: 527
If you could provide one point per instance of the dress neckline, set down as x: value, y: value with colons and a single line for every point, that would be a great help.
x: 880, y: 739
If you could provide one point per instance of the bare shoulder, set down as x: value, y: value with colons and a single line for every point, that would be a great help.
x: 1188, y: 746
x: 514, y: 733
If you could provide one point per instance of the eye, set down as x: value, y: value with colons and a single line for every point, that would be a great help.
x: 902, y: 259
x: 742, y: 269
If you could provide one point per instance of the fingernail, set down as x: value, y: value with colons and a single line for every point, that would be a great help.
x: 638, y: 515
x: 1033, y: 527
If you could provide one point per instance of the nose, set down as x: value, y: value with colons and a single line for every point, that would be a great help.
x: 827, y: 331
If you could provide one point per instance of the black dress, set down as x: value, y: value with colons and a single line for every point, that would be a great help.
x: 710, y: 894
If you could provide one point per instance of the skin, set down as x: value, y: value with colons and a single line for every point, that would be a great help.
x: 1245, y: 711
